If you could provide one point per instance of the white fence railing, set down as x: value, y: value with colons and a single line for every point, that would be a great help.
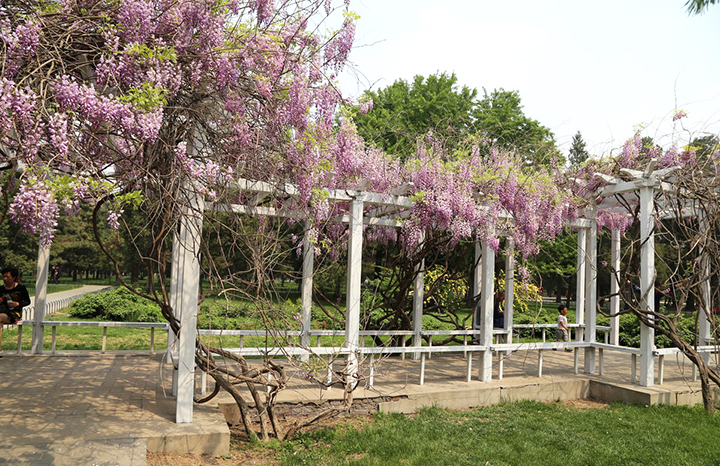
x: 286, y: 337
x: 56, y: 305
x: 545, y: 327
x: 54, y: 324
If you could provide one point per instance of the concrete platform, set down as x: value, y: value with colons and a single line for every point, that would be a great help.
x: 97, y: 409
x: 93, y: 409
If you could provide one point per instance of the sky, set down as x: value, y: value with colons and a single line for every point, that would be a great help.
x: 606, y: 69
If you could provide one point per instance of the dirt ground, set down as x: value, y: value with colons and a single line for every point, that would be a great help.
x: 242, y: 452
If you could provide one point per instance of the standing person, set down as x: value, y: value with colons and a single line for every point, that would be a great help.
x: 14, y: 297
x: 563, y: 331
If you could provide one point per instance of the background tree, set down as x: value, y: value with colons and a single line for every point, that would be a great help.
x: 705, y: 146
x: 403, y: 112
x: 577, y: 154
x: 74, y: 248
x: 500, y: 120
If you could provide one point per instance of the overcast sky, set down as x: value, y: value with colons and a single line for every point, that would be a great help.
x: 601, y: 68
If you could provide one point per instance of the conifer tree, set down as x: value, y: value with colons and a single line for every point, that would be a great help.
x: 578, y: 153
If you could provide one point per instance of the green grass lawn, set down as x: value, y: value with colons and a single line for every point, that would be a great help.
x: 522, y: 433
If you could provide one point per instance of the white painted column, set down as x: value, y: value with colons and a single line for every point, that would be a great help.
x: 591, y: 291
x: 173, y: 343
x: 580, y: 284
x: 189, y: 251
x: 418, y: 299
x: 175, y: 287
x: 647, y: 288
x: 509, y: 288
x: 41, y: 280
x: 477, y: 283
x: 704, y: 326
x: 486, y: 311
x: 352, y: 316
x: 306, y: 287
x: 615, y: 287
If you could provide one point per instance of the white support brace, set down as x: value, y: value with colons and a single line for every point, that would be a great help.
x: 647, y: 288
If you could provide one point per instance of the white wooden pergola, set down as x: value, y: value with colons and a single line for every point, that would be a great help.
x: 367, y: 208
x: 646, y: 183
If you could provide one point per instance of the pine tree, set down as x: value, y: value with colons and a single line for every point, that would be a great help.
x: 578, y: 154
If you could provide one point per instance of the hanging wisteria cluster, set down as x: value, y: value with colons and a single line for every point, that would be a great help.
x: 116, y: 91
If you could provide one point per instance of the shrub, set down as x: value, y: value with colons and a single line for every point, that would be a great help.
x: 119, y: 304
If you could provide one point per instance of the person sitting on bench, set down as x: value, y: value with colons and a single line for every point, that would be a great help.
x: 14, y: 297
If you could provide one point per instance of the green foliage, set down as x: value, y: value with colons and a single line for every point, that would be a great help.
x: 18, y: 249
x: 147, y: 97
x: 696, y: 7
x: 404, y: 112
x: 446, y: 291
x: 431, y: 323
x: 630, y: 331
x: 74, y: 247
x: 705, y: 146
x: 523, y: 293
x: 556, y: 264
x: 119, y: 305
x: 152, y: 53
x: 500, y: 119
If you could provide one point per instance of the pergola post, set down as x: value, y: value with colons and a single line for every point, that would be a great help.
x: 647, y: 288
x: 189, y: 252
x: 580, y: 284
x: 477, y: 284
x: 615, y: 287
x: 486, y: 311
x: 173, y: 343
x: 306, y: 288
x: 704, y: 325
x: 418, y: 299
x: 509, y: 288
x: 591, y: 291
x: 41, y: 280
x: 352, y: 316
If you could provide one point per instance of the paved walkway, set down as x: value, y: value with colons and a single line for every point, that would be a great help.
x: 72, y: 293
